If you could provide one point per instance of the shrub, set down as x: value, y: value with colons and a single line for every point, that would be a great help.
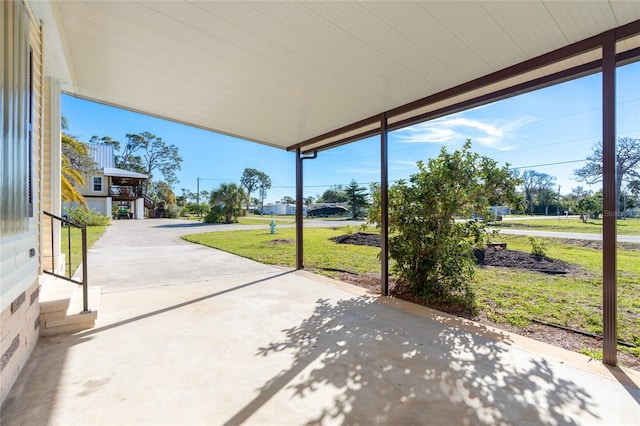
x: 538, y: 247
x: 172, y: 211
x: 82, y: 216
x: 433, y: 251
x: 214, y: 215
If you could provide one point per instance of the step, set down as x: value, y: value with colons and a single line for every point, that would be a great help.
x: 55, y: 294
x: 61, y: 307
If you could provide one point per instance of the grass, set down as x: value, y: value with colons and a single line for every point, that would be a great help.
x: 593, y: 226
x: 320, y: 252
x: 93, y: 234
x: 516, y: 297
x: 503, y: 295
x: 265, y: 221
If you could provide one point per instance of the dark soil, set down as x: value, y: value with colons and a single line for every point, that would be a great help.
x: 280, y: 241
x: 359, y: 239
x: 518, y: 259
x: 491, y: 257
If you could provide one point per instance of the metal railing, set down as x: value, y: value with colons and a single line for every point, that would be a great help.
x: 124, y: 191
x: 84, y: 283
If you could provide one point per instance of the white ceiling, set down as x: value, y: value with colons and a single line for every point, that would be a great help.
x: 283, y: 72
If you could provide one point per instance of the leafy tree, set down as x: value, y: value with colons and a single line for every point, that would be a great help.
x: 156, y: 155
x: 308, y: 201
x: 145, y: 153
x: 250, y: 180
x: 255, y: 179
x: 333, y: 195
x: 356, y: 198
x: 627, y: 164
x: 185, y: 198
x: 434, y: 252
x: 288, y: 200
x: 634, y: 190
x: 590, y: 205
x: 161, y: 191
x: 570, y: 201
x: 107, y: 140
x: 228, y: 199
x: 536, y: 185
x: 264, y: 185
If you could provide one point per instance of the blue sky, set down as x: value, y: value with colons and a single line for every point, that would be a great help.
x: 550, y: 130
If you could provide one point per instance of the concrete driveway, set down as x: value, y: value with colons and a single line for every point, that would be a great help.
x: 188, y: 335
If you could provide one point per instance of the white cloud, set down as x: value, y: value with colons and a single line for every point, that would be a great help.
x: 456, y: 129
x: 402, y: 165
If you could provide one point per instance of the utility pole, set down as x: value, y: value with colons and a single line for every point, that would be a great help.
x: 558, y: 200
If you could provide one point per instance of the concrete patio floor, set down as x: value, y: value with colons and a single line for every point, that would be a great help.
x: 191, y: 335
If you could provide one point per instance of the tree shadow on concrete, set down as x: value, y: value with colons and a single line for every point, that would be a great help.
x: 385, y: 366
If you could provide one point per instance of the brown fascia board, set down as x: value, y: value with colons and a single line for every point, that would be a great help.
x: 563, y: 53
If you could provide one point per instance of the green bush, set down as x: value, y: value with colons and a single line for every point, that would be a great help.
x: 433, y: 251
x: 82, y: 216
x: 538, y: 247
x: 172, y: 211
x: 215, y: 215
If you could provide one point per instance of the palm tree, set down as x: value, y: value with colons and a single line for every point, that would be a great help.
x: 71, y: 178
x: 228, y: 197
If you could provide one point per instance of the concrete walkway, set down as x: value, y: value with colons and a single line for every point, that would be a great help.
x: 187, y: 335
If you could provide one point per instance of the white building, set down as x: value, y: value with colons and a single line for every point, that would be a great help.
x: 282, y: 209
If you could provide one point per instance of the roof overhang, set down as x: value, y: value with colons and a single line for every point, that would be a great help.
x: 288, y: 74
x: 121, y: 173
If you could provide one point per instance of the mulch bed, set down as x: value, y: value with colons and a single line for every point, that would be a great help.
x: 359, y: 239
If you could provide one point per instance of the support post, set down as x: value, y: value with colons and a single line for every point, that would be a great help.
x: 299, y: 224
x: 610, y: 199
x: 384, y: 207
x: 299, y: 208
x: 85, y: 267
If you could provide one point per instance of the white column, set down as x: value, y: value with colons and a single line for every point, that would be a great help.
x: 139, y: 210
x: 109, y: 203
x: 52, y: 132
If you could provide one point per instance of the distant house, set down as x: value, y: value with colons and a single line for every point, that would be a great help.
x: 281, y: 209
x: 112, y: 191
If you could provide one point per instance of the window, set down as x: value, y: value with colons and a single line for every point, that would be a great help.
x: 15, y: 188
x: 97, y: 184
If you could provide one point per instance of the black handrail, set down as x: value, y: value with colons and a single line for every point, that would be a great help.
x: 84, y: 282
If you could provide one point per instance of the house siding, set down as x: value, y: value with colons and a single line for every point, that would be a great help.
x: 19, y: 262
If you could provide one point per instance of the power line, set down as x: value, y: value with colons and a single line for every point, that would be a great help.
x: 551, y: 164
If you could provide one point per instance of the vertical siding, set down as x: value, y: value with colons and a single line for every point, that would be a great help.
x: 18, y: 268
x: 20, y: 263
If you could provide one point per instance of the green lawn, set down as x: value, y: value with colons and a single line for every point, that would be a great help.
x: 517, y: 297
x: 266, y: 220
x: 504, y: 296
x: 93, y: 234
x: 593, y: 226
x: 319, y: 251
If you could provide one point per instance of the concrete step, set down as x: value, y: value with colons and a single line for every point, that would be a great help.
x: 55, y: 294
x: 61, y: 307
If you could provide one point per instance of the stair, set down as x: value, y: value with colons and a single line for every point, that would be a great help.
x: 61, y: 307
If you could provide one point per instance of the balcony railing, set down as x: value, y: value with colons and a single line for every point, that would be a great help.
x: 125, y: 191
x: 84, y: 283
